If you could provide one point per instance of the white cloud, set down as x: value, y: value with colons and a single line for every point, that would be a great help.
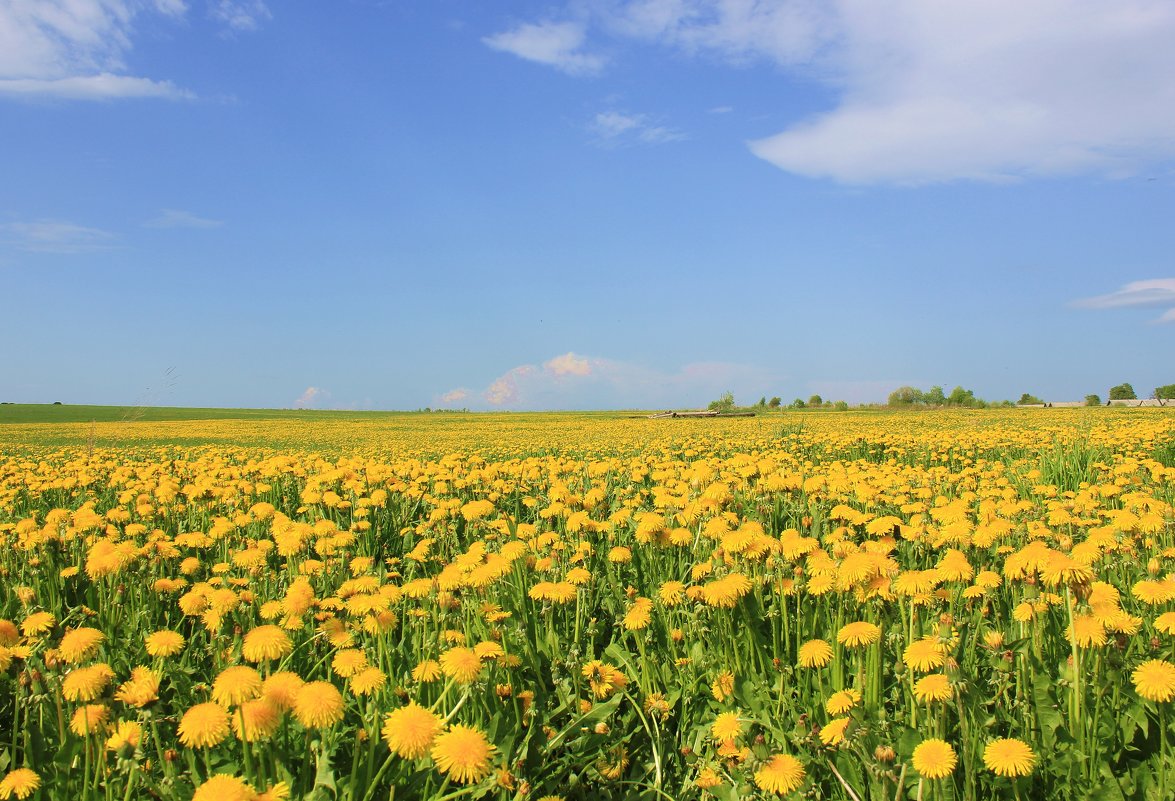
x: 176, y: 218
x: 930, y: 91
x: 241, y: 15
x: 55, y: 236
x: 1149, y: 293
x: 76, y: 49
x: 311, y: 398
x: 573, y: 381
x: 615, y: 126
x: 453, y: 396
x: 556, y: 44
x: 568, y: 364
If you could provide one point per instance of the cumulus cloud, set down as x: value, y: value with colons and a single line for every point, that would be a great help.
x: 568, y: 364
x: 76, y: 49
x: 453, y: 396
x: 574, y: 381
x: 55, y: 236
x: 929, y: 91
x: 312, y: 398
x: 176, y: 218
x: 1149, y: 293
x: 556, y: 44
x: 614, y: 126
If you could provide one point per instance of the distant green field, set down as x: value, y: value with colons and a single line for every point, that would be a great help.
x: 49, y: 413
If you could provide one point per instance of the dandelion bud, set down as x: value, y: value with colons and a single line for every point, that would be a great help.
x: 883, y: 753
x: 1153, y: 567
x: 171, y: 755
x: 524, y: 789
x: 685, y: 751
x: 602, y: 728
x: 1009, y: 656
x: 677, y: 634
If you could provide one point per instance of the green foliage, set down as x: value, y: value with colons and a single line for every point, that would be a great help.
x: 1029, y: 400
x: 725, y: 403
x: 1166, y: 392
x: 798, y: 403
x: 934, y: 397
x: 1122, y: 392
x: 1093, y: 400
x: 815, y: 400
x: 905, y: 396
x: 841, y: 406
x: 775, y: 402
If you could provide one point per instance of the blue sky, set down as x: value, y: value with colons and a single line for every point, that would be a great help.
x: 590, y: 204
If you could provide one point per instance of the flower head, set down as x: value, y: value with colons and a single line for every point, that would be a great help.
x: 410, y: 730
x: 204, y: 725
x: 781, y: 774
x: 934, y: 758
x: 1009, y: 757
x: 19, y: 783
x: 236, y: 685
x: 165, y: 643
x: 1154, y: 680
x: 266, y: 643
x: 463, y: 753
x: 815, y: 653
x: 318, y: 705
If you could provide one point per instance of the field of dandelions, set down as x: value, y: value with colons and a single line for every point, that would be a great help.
x: 967, y: 605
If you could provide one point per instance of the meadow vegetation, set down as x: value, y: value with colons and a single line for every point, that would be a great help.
x: 963, y: 604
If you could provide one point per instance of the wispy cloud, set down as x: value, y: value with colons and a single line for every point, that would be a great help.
x: 240, y: 15
x: 76, y: 49
x: 177, y: 218
x: 926, y: 91
x: 1149, y: 293
x: 312, y: 398
x: 572, y: 380
x: 613, y: 127
x: 55, y: 236
x: 556, y: 44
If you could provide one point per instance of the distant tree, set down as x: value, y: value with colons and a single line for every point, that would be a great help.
x: 798, y: 403
x: 905, y: 396
x: 724, y: 403
x: 1165, y: 392
x: 961, y: 397
x: 1026, y: 400
x: 934, y: 397
x: 1122, y: 392
x: 841, y: 406
x: 815, y: 400
x: 56, y: 403
x: 762, y: 402
x: 1093, y: 400
x: 775, y: 402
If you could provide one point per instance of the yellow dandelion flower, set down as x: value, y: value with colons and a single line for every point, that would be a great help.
x: 204, y: 725
x: 223, y: 787
x: 89, y: 719
x: 349, y: 661
x: 726, y: 726
x: 19, y: 783
x: 282, y: 689
x: 86, y: 684
x: 833, y: 733
x: 78, y: 645
x: 409, y: 731
x: 318, y: 704
x: 266, y: 643
x: 723, y: 686
x: 924, y: 655
x: 142, y: 689
x: 125, y: 738
x: 37, y: 623
x: 934, y: 759
x: 367, y: 681
x: 165, y: 643
x: 235, y: 685
x: 841, y: 702
x: 815, y: 654
x: 1009, y: 757
x: 1087, y: 631
x: 463, y: 754
x: 854, y: 635
x: 935, y: 687
x: 1154, y: 680
x: 461, y: 664
x: 426, y: 671
x: 256, y: 720
x: 781, y: 774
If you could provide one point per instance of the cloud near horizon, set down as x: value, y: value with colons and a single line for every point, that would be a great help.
x: 312, y: 397
x: 1145, y: 294
x: 575, y: 381
x: 929, y: 92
